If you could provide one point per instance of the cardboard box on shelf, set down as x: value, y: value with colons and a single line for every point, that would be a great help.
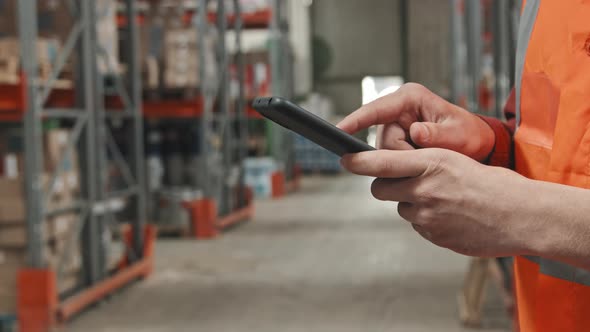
x: 56, y: 141
x: 12, y: 196
x: 55, y: 230
x: 47, y: 50
x: 58, y: 232
x: 61, y: 227
x: 10, y: 262
x: 181, y: 58
x: 72, y: 182
x: 10, y: 259
x: 13, y: 236
x: 12, y: 211
x: 11, y: 188
x: 108, y: 37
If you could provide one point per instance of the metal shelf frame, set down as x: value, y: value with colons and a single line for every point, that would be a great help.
x: 282, y: 145
x: 221, y: 121
x: 94, y: 141
x: 467, y: 27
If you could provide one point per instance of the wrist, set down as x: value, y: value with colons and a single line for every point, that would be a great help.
x: 487, y: 140
x: 500, y: 149
x: 551, y: 226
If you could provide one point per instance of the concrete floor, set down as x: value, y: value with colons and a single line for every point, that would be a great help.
x: 328, y: 258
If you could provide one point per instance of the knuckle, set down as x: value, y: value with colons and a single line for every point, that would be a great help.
x: 425, y: 216
x: 414, y: 87
x: 425, y: 194
x: 438, y: 161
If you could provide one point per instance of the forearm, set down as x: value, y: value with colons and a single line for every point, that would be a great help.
x: 558, y: 219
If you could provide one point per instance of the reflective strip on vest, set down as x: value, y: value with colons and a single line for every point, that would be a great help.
x: 527, y: 22
x: 562, y: 271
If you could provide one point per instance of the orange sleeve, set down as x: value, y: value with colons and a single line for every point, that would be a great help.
x: 502, y: 154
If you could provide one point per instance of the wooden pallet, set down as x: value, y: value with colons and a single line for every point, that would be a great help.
x: 471, y: 298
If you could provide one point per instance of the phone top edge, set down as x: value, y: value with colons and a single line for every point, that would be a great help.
x: 270, y: 107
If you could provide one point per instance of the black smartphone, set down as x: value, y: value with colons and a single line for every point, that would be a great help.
x: 308, y: 125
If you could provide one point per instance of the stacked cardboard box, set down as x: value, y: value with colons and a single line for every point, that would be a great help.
x: 170, y: 50
x: 108, y: 36
x: 181, y: 60
x: 55, y: 24
x: 47, y: 52
x: 60, y: 244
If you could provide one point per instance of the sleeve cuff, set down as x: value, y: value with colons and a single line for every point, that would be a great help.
x: 502, y: 152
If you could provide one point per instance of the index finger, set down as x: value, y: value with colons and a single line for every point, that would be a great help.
x: 384, y: 110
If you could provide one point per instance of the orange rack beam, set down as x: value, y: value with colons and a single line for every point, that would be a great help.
x: 13, y: 101
x: 251, y: 113
x: 207, y: 224
x: 74, y: 305
x: 174, y: 108
x: 39, y: 309
x: 235, y: 217
x: 255, y: 20
x: 239, y: 215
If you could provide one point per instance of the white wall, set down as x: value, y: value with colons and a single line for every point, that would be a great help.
x: 300, y: 37
x: 364, y: 36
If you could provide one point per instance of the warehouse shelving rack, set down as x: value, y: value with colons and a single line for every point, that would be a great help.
x: 223, y: 128
x: 39, y: 305
x: 467, y: 47
x: 222, y: 121
x: 287, y: 178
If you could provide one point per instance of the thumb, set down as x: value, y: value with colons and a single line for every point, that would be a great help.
x: 445, y: 135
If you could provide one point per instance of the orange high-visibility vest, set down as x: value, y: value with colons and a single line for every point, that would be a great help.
x: 552, y: 143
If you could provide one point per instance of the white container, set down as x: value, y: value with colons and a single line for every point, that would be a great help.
x: 258, y: 175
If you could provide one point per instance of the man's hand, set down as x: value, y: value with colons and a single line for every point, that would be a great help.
x: 414, y: 116
x: 451, y: 200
